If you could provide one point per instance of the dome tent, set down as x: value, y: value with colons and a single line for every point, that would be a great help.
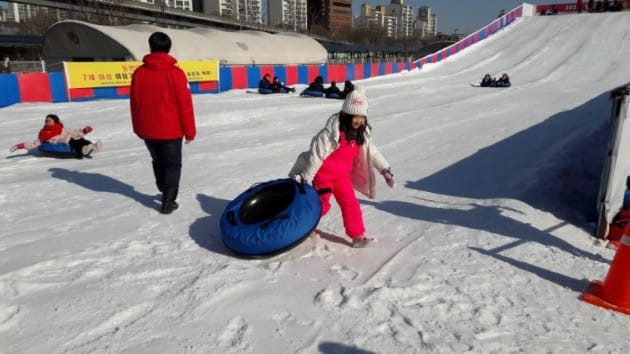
x: 71, y: 40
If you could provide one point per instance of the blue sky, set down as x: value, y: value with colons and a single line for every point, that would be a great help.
x: 465, y: 15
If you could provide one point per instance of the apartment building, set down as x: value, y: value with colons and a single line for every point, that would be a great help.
x: 176, y: 4
x: 243, y: 10
x: 396, y: 19
x: 20, y: 12
x: 376, y: 17
x: 404, y: 16
x: 426, y: 23
x: 333, y: 15
x: 290, y: 14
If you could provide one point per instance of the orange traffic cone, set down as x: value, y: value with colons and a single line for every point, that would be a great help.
x: 614, y: 292
x: 618, y: 226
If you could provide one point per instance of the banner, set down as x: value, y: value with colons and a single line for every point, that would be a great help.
x: 118, y: 73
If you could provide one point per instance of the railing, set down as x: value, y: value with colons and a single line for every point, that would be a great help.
x: 23, y: 66
x: 39, y: 66
x: 370, y: 60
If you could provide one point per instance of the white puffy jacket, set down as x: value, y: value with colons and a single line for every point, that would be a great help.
x: 325, y: 142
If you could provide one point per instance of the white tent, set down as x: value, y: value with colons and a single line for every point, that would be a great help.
x: 81, y: 41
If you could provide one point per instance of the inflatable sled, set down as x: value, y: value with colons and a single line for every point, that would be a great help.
x: 312, y: 93
x: 266, y: 91
x: 57, y: 150
x: 491, y: 86
x: 333, y: 95
x: 270, y: 217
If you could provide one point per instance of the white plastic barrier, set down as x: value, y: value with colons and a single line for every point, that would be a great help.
x: 617, y: 165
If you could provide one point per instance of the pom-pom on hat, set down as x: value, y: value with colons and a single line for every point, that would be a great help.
x: 356, y: 102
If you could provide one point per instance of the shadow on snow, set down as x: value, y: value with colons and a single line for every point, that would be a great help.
x: 554, y: 166
x: 102, y: 183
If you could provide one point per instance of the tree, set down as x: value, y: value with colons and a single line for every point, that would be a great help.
x: 38, y: 23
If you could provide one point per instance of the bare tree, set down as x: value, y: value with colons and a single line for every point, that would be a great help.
x: 101, y: 12
x: 38, y: 23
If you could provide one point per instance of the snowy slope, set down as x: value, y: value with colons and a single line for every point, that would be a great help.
x: 484, y: 246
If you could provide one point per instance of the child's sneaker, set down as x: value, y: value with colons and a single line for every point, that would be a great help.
x: 97, y: 146
x: 87, y: 149
x: 361, y: 241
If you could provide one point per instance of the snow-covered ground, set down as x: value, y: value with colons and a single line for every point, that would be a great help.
x: 484, y: 246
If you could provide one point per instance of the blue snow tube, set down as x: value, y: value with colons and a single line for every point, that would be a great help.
x: 313, y: 93
x: 333, y: 95
x: 270, y: 217
x: 57, y: 150
x: 265, y: 91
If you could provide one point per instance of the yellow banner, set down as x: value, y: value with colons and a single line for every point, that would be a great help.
x: 118, y: 73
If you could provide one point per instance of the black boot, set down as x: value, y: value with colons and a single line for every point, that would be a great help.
x: 168, y: 200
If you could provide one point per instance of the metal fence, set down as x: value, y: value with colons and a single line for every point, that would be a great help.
x: 23, y: 66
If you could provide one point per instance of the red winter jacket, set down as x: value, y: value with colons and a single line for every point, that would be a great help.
x: 49, y: 131
x: 160, y: 99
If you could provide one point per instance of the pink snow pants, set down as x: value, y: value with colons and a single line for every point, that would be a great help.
x: 334, y: 175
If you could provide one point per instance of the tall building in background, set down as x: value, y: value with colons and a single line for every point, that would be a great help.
x: 376, y: 17
x: 176, y: 4
x: 243, y: 10
x: 335, y: 16
x: 426, y: 23
x: 20, y: 12
x: 388, y: 23
x: 218, y: 7
x: 289, y: 14
x: 404, y: 16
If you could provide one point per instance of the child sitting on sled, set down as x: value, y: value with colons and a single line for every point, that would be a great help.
x: 54, y: 132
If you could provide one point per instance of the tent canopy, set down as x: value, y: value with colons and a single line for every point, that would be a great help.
x: 72, y: 40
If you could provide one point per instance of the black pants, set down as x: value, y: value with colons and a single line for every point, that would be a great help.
x: 78, y: 144
x: 167, y: 162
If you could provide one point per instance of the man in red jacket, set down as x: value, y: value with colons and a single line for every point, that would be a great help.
x: 162, y: 115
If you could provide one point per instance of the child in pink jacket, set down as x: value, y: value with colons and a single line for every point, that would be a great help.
x: 342, y: 158
x: 54, y: 132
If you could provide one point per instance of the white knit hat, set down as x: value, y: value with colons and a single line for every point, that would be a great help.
x: 356, y: 102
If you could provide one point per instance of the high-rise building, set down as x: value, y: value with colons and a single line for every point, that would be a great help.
x: 404, y: 16
x: 14, y: 12
x: 243, y: 10
x: 289, y: 14
x: 20, y: 12
x: 218, y: 7
x: 333, y: 15
x: 388, y: 23
x: 426, y: 23
x: 376, y: 17
x: 176, y: 4
x: 366, y: 17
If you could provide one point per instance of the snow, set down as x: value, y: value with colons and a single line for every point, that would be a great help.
x: 484, y: 246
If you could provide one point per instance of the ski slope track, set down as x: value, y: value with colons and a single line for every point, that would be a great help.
x: 484, y: 246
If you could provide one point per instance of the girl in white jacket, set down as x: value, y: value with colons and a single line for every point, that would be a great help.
x: 342, y: 158
x: 54, y: 132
